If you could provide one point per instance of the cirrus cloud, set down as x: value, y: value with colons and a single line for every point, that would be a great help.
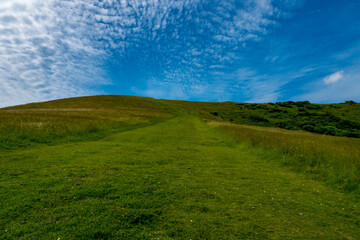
x: 54, y: 49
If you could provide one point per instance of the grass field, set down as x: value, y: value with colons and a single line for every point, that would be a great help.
x: 80, y: 119
x: 164, y: 173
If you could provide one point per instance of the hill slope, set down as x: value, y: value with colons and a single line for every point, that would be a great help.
x: 178, y: 179
x: 155, y: 170
x: 75, y: 119
x: 342, y: 119
x: 87, y: 118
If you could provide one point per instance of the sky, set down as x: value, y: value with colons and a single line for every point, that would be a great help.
x: 201, y: 50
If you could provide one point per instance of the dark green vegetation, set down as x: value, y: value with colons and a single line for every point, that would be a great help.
x: 341, y: 119
x: 153, y: 169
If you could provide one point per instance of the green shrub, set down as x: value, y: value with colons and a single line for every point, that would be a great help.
x: 309, y: 128
x: 257, y: 118
x: 347, y: 133
x: 313, y: 106
x: 303, y: 113
x: 350, y: 102
x: 301, y: 103
x: 348, y: 125
x: 287, y: 125
x: 275, y: 110
x: 287, y: 104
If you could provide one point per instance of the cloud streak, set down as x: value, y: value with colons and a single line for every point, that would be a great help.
x: 53, y: 49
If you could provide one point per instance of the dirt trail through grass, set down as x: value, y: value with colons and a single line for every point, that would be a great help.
x: 179, y: 179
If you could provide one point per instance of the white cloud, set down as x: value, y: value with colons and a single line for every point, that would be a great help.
x: 333, y: 78
x: 43, y: 54
x: 256, y: 16
x: 346, y: 89
x: 53, y: 49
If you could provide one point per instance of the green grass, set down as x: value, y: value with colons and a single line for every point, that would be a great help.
x: 75, y: 119
x: 92, y: 118
x: 166, y: 174
x: 334, y: 160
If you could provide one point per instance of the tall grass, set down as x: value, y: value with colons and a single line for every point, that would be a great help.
x: 336, y: 160
x: 78, y: 119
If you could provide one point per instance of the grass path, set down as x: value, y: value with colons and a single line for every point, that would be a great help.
x: 179, y: 179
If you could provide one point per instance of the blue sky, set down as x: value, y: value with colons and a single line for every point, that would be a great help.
x: 218, y: 50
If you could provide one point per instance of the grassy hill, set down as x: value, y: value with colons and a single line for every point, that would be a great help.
x: 341, y: 119
x: 75, y: 119
x: 90, y: 118
x: 123, y: 167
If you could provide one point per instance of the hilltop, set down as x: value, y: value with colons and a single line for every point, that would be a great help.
x: 85, y: 118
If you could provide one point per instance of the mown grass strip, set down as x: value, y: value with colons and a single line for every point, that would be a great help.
x: 179, y: 179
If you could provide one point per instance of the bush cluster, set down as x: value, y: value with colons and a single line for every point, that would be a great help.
x: 302, y: 115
